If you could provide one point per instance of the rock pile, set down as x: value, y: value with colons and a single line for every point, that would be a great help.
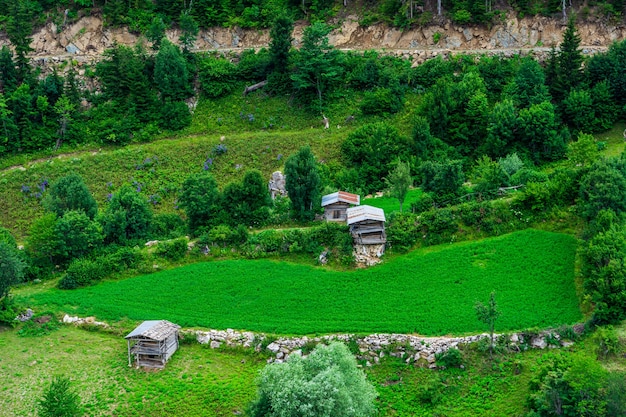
x: 87, y: 320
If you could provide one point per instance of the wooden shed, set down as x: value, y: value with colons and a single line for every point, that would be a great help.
x: 367, y: 225
x: 336, y: 204
x: 152, y: 343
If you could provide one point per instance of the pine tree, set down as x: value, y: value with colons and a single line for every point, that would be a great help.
x: 279, y: 54
x: 170, y: 73
x: 569, y: 63
x: 9, y: 79
x: 302, y: 183
x: 19, y: 28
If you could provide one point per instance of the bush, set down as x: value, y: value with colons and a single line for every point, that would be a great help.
x: 167, y: 226
x: 59, y: 400
x: 172, y: 249
x: 82, y: 272
x: 450, y: 358
x: 217, y: 77
x: 223, y: 235
x: 381, y: 101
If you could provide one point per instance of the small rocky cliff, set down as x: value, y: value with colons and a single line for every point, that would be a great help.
x: 87, y: 38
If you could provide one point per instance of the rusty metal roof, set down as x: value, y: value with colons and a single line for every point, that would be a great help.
x: 362, y: 213
x: 154, y: 330
x: 342, y: 196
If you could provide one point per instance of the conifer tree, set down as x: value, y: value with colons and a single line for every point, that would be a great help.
x: 19, y: 28
x: 280, y: 45
x: 302, y: 183
x: 569, y: 63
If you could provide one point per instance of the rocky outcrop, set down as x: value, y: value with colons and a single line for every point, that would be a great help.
x: 88, y: 37
x: 368, y: 255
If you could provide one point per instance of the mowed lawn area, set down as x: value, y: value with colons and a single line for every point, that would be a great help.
x: 431, y: 291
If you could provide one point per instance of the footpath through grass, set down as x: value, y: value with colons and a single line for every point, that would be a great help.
x: 431, y: 291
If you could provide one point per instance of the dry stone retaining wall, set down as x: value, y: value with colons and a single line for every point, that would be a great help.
x: 416, y: 350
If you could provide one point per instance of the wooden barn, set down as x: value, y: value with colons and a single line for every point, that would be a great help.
x: 152, y: 343
x: 336, y: 204
x: 367, y: 225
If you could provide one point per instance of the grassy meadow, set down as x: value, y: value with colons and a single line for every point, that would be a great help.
x: 430, y: 291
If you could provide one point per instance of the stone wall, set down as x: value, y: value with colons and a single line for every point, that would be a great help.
x: 417, y: 350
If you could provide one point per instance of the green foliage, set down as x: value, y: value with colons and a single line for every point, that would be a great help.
x: 444, y: 179
x: 317, y: 65
x: 82, y: 272
x: 451, y: 358
x: 381, y: 101
x: 280, y: 45
x: 568, y: 387
x: 326, y: 383
x: 171, y: 76
x: 217, y: 76
x: 603, y: 187
x: 127, y: 217
x: 607, y: 342
x: 70, y: 193
x: 488, y: 314
x: 188, y: 30
x: 526, y: 296
x: 579, y: 111
x: 11, y: 268
x: 584, y: 151
x: 247, y: 202
x: 223, y: 235
x: 7, y: 237
x: 75, y: 235
x: 59, y: 400
x: 605, y: 274
x: 200, y: 199
x: 173, y: 250
x: 167, y: 226
x: 156, y: 32
x: 303, y: 183
x: 373, y: 149
x: 488, y: 176
x: 511, y: 164
x: 399, y: 181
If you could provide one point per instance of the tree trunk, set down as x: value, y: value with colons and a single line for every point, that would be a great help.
x: 254, y: 87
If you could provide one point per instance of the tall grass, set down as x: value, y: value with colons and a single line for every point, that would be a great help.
x: 431, y: 291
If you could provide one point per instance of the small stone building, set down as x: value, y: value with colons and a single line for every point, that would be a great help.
x: 367, y: 225
x: 336, y: 204
x: 152, y: 343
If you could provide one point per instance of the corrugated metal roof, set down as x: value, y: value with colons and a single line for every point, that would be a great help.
x: 154, y: 329
x: 341, y: 196
x: 361, y: 213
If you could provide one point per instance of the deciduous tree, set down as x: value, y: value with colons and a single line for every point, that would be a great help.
x: 399, y: 181
x: 327, y: 383
x: 70, y: 193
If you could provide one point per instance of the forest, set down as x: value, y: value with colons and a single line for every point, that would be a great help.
x: 486, y: 146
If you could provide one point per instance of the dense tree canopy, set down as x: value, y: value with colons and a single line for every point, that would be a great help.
x: 327, y: 383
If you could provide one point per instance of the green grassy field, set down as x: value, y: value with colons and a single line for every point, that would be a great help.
x: 391, y: 205
x: 431, y: 291
x: 196, y: 382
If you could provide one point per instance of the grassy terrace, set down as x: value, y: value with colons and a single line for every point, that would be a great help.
x: 430, y: 291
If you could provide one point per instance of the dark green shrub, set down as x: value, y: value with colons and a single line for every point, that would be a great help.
x: 172, y: 249
x: 82, y: 272
x: 268, y: 240
x: 223, y: 235
x: 217, y: 76
x: 167, y: 226
x: 424, y: 203
x: 451, y: 358
x: 381, y: 101
x: 123, y: 258
x: 403, y: 231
